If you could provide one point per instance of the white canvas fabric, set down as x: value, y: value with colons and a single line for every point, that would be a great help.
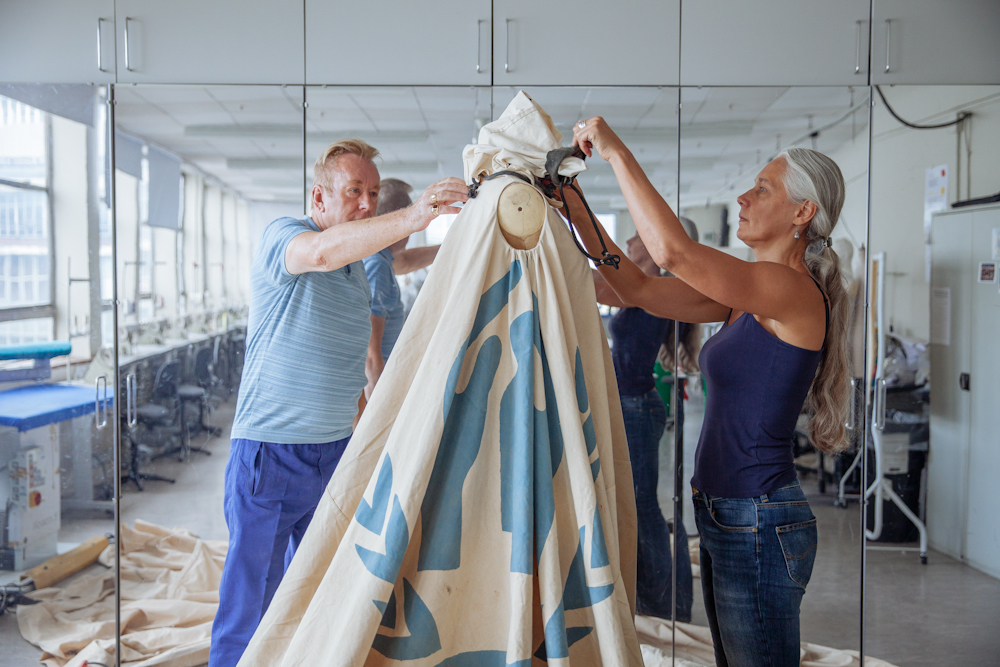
x: 483, y: 513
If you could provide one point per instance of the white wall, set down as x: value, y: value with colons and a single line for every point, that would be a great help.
x: 900, y: 157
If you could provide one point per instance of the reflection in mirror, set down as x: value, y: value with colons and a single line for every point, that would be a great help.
x: 932, y: 527
x: 198, y: 172
x: 727, y: 136
x: 56, y: 436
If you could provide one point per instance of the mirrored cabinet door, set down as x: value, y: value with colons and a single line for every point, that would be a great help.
x: 57, y: 391
x: 728, y: 137
x: 931, y: 525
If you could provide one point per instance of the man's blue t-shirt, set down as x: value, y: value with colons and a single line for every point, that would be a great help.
x: 307, y: 338
x: 386, y: 301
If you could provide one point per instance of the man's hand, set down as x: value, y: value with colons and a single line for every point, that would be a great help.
x: 436, y: 200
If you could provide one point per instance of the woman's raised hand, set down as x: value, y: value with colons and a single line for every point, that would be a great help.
x: 595, y: 134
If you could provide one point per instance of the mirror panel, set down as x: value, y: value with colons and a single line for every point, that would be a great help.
x: 932, y: 405
x: 57, y: 393
x: 727, y: 135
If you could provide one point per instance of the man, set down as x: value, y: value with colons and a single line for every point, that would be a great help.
x: 304, y: 374
x: 388, y: 314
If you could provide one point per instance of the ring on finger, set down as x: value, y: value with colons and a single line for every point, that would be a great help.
x: 434, y: 210
x: 582, y: 124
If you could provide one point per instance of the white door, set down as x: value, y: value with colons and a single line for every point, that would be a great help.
x: 948, y: 458
x: 982, y: 546
x: 223, y: 41
x: 585, y: 42
x: 936, y: 41
x: 57, y: 41
x: 781, y: 42
x: 395, y: 42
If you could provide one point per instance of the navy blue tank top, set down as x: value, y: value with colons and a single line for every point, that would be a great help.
x: 757, y: 384
x: 636, y: 338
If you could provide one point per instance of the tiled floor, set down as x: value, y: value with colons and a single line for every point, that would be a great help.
x: 944, y: 613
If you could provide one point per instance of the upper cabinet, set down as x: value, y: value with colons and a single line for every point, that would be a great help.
x: 54, y: 41
x: 398, y: 42
x: 936, y: 41
x: 777, y: 43
x: 221, y: 41
x: 585, y: 42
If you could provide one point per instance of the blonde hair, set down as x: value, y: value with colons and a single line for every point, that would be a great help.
x: 328, y: 158
x: 811, y: 176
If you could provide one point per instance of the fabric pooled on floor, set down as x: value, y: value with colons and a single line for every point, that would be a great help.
x: 694, y: 648
x: 170, y: 592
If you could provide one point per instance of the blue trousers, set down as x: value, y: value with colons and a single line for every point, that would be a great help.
x: 645, y: 418
x: 757, y: 556
x: 271, y: 493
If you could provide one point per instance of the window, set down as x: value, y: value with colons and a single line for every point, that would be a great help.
x: 25, y: 248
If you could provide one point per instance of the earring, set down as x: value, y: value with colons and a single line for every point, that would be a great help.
x: 796, y: 232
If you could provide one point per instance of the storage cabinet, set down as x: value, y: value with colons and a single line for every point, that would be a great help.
x: 54, y: 41
x: 778, y: 43
x: 936, y: 41
x: 586, y: 42
x: 401, y: 43
x: 222, y: 41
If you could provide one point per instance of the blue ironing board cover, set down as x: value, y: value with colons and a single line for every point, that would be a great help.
x: 56, y: 348
x: 40, y: 404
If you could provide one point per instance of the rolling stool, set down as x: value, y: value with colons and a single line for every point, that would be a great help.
x: 200, y: 393
x: 166, y: 389
x: 151, y: 416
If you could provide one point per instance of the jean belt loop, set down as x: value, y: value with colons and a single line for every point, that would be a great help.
x: 763, y: 498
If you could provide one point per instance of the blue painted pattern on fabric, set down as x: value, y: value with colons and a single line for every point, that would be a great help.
x: 441, y: 510
x: 372, y: 516
x: 423, y: 639
x: 482, y: 659
x: 598, y: 547
x: 397, y: 537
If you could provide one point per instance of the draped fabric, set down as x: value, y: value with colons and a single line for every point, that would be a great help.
x: 483, y: 513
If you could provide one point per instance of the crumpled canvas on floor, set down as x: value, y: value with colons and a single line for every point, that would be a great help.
x: 483, y: 513
x: 170, y: 591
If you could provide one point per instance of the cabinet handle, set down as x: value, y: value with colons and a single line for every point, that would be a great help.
x: 479, y: 44
x: 880, y: 404
x: 854, y: 406
x: 857, y: 48
x: 506, y: 40
x: 127, y: 66
x: 100, y: 423
x: 888, y: 37
x: 131, y: 414
x: 100, y: 64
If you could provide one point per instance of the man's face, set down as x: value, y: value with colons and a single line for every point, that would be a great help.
x: 350, y: 192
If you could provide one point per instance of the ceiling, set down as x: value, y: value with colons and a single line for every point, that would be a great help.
x: 250, y: 138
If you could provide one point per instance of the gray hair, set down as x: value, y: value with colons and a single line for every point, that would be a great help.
x: 393, y: 195
x: 811, y: 176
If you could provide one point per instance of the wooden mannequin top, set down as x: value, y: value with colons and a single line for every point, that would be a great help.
x: 521, y: 213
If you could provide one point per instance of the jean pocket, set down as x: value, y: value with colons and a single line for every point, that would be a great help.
x: 734, y: 514
x: 798, y: 546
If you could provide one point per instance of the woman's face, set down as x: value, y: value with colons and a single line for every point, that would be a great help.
x: 765, y: 212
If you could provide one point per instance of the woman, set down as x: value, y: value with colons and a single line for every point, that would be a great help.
x: 782, y: 345
x: 636, y: 338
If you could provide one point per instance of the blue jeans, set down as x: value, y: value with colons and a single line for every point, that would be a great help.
x: 645, y: 418
x: 757, y: 556
x: 271, y: 493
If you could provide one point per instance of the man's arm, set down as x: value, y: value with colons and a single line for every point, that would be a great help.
x: 353, y: 240
x: 374, y: 363
x: 361, y: 410
x: 412, y: 259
